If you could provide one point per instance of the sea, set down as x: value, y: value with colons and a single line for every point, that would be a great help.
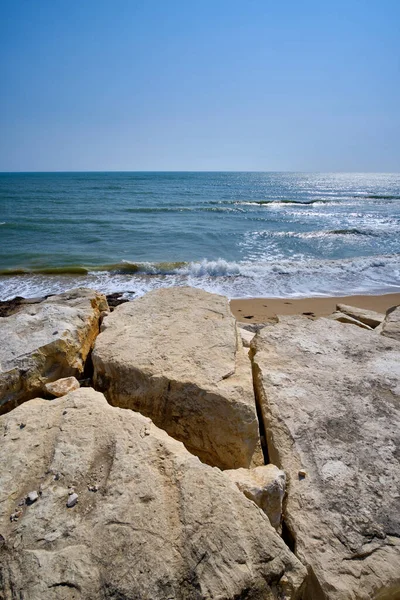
x: 239, y: 234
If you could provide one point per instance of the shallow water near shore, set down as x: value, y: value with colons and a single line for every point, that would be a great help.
x: 239, y: 234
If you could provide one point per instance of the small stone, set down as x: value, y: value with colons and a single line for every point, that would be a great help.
x: 93, y: 488
x: 63, y: 386
x: 71, y: 490
x: 22, y: 425
x: 16, y: 515
x: 302, y: 473
x: 72, y: 500
x: 32, y: 497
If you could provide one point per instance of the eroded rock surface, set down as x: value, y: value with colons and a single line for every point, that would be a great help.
x: 263, y: 485
x: 46, y: 341
x: 175, y: 355
x: 145, y: 519
x: 330, y: 397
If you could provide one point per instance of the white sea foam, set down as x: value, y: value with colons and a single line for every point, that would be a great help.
x: 283, y: 278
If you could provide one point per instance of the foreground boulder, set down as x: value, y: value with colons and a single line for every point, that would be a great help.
x: 97, y: 502
x: 46, y: 341
x: 175, y: 356
x: 330, y: 398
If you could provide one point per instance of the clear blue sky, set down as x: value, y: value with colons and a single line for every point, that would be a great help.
x: 200, y: 85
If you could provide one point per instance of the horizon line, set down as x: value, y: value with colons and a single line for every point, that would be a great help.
x: 23, y: 172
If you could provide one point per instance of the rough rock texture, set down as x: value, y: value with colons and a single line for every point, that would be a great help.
x: 161, y: 524
x: 330, y: 397
x: 175, y: 356
x: 391, y: 324
x: 263, y: 485
x: 369, y: 317
x: 62, y: 387
x: 343, y: 318
x: 46, y: 341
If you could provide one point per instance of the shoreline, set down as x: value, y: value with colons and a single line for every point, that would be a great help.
x: 258, y: 310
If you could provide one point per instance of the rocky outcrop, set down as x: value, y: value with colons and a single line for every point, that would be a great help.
x: 97, y: 502
x: 45, y: 341
x: 263, y: 485
x: 368, y: 317
x: 391, y: 324
x: 330, y: 398
x: 175, y: 356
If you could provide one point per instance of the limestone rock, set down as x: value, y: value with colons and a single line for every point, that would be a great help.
x: 391, y: 324
x: 369, y: 317
x: 175, y: 356
x: 45, y: 341
x: 330, y: 397
x: 162, y: 525
x: 343, y: 318
x: 247, y: 337
x: 263, y: 485
x: 62, y: 387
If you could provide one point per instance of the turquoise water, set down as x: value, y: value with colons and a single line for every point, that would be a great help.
x: 241, y: 234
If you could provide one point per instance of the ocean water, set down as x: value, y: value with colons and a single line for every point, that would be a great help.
x: 239, y: 234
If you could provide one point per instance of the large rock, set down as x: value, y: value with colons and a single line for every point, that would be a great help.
x: 175, y: 356
x: 146, y: 519
x: 391, y: 324
x: 330, y: 398
x: 46, y: 341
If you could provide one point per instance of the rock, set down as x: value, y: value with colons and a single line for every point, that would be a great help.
x: 115, y: 299
x: 391, y: 324
x: 343, y: 318
x: 32, y: 497
x: 164, y: 526
x: 263, y: 485
x: 369, y: 317
x: 175, y: 356
x: 63, y: 386
x: 72, y: 500
x: 247, y: 337
x: 330, y: 398
x: 45, y: 341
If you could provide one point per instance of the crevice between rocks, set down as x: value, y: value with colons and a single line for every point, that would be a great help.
x: 287, y: 535
x: 260, y: 417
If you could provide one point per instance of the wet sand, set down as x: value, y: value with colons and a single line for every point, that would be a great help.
x: 258, y: 310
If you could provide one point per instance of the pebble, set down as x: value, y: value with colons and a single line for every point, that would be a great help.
x: 71, y: 490
x: 302, y: 473
x: 16, y: 515
x: 93, y: 488
x: 32, y: 497
x: 72, y: 500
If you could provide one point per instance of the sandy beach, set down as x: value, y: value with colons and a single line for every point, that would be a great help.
x: 257, y: 310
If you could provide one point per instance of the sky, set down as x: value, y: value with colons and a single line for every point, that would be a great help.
x: 249, y: 85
